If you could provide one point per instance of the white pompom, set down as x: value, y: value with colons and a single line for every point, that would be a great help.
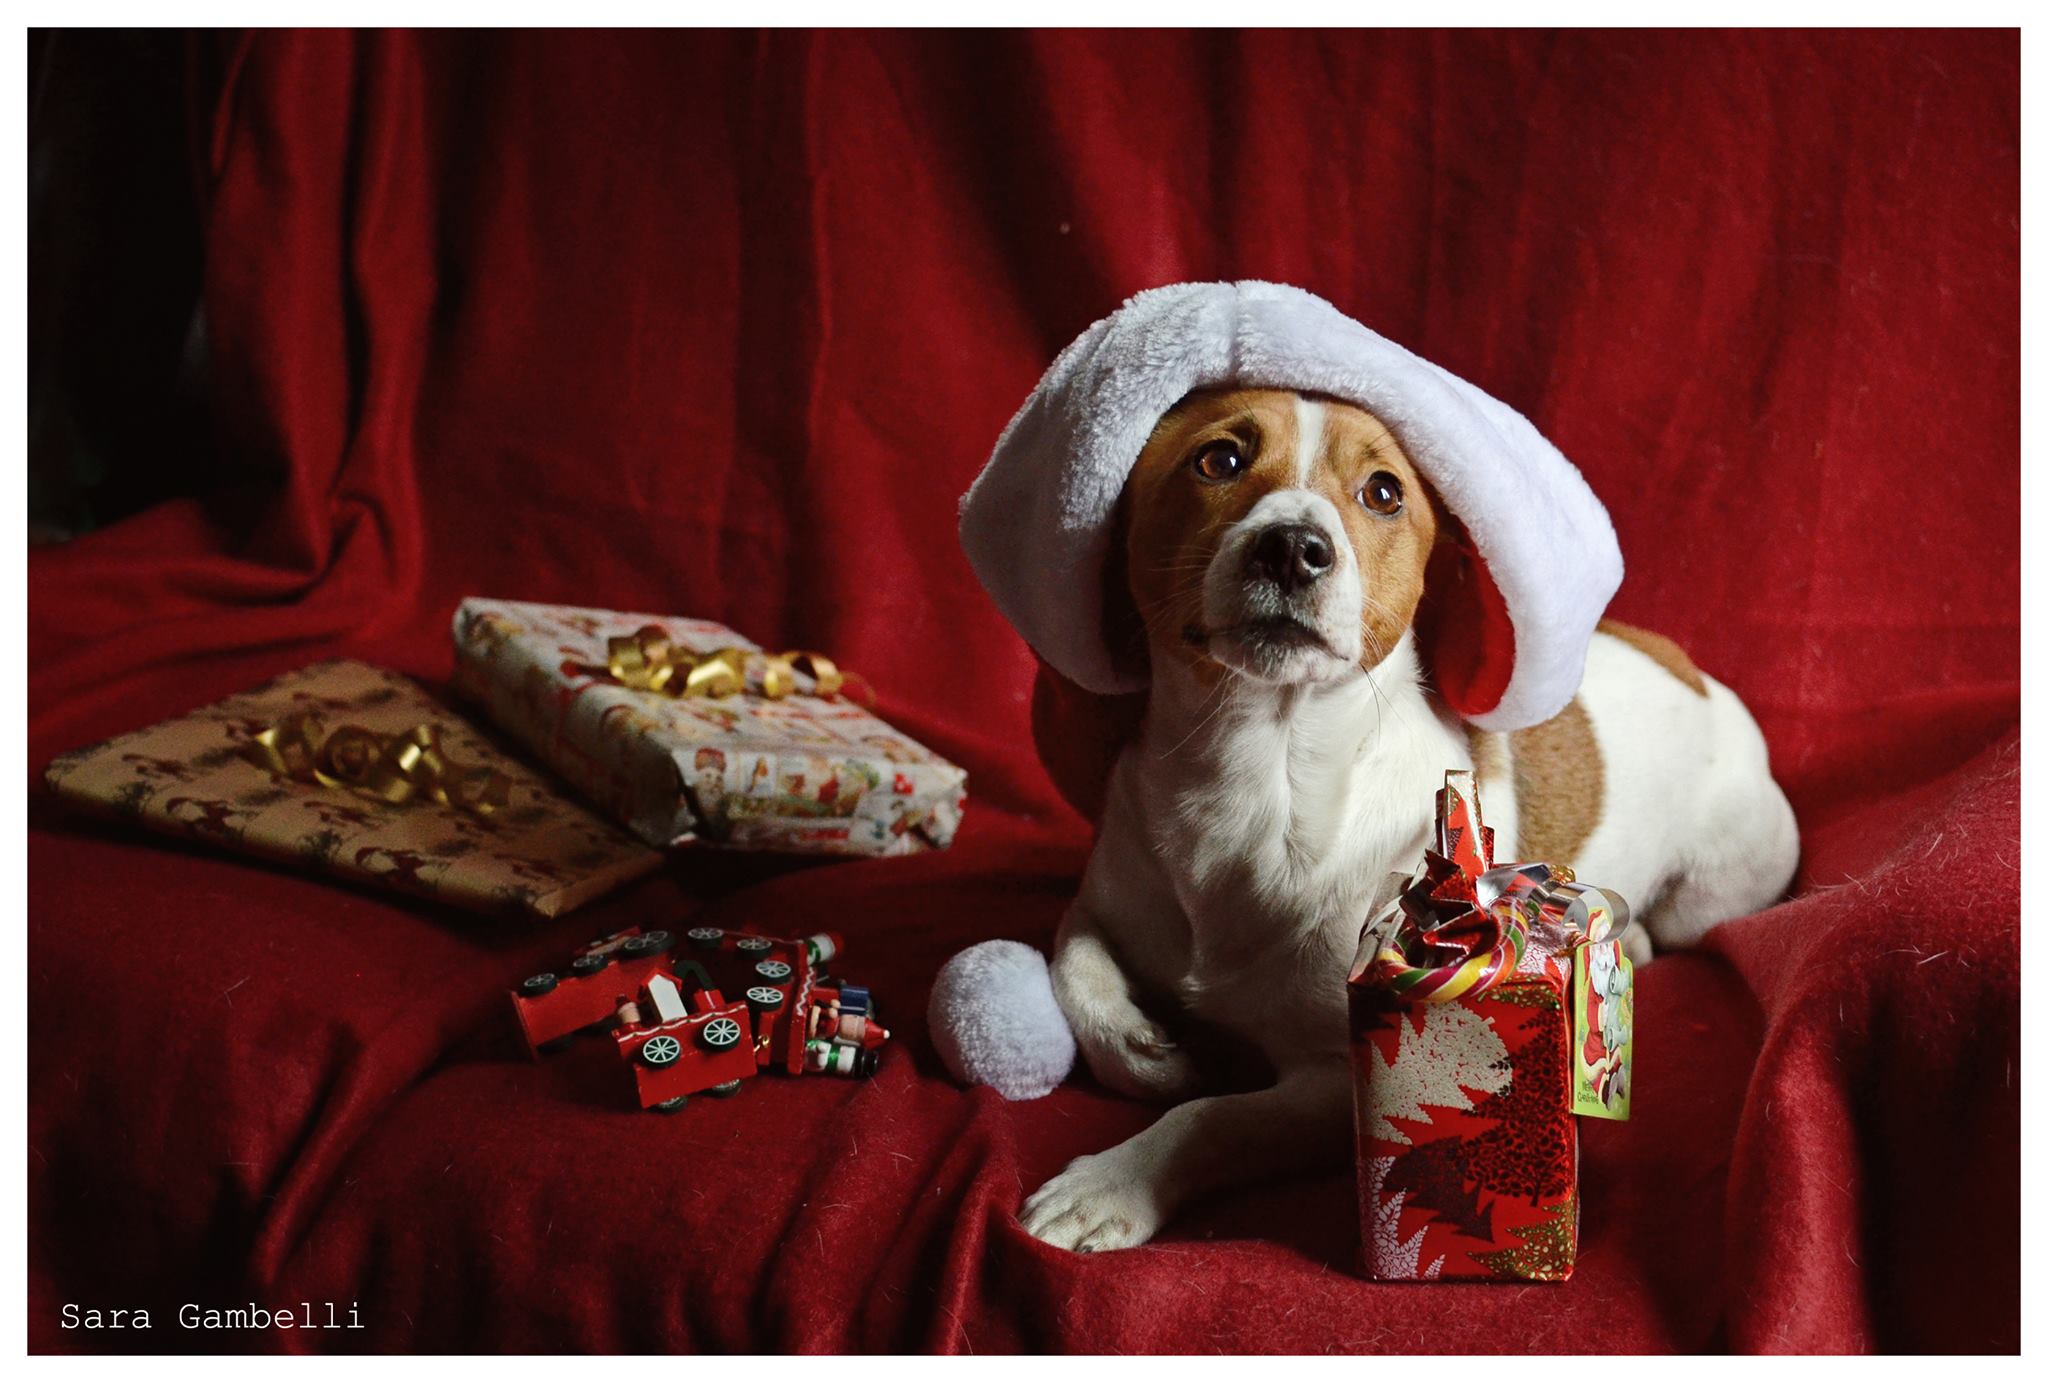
x: 995, y: 1021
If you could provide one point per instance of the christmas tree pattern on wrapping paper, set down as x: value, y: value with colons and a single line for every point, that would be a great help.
x: 1476, y: 1099
x: 1527, y: 1151
x: 1432, y: 1178
x: 1449, y: 1062
x: 1394, y: 1255
x: 1547, y: 1248
x: 1445, y: 1056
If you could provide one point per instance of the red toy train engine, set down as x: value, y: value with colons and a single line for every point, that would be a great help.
x: 676, y: 1030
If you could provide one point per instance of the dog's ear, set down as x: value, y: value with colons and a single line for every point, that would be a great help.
x: 1462, y: 630
x: 1122, y: 625
x: 1079, y: 734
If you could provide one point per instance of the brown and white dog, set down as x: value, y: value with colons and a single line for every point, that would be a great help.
x: 1275, y: 547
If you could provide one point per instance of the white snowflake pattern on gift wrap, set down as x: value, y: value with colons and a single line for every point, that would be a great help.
x: 1393, y: 1256
x: 1453, y: 1051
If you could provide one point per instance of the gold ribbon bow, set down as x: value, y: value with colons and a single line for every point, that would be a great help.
x: 391, y: 768
x: 647, y: 660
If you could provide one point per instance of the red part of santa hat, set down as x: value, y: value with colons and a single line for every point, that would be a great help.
x: 1509, y: 610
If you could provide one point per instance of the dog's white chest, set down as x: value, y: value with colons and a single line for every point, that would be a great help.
x: 1277, y: 847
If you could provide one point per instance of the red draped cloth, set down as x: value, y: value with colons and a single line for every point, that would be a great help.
x: 723, y: 324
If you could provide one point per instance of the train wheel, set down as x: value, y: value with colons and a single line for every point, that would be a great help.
x: 725, y: 1090
x: 660, y: 1050
x: 670, y: 1106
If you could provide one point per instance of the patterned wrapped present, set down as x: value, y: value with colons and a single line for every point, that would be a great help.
x: 1467, y: 1068
x: 688, y: 733
x: 350, y: 770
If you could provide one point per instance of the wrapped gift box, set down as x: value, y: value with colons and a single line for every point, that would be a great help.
x: 505, y: 840
x: 735, y: 767
x: 1466, y: 1072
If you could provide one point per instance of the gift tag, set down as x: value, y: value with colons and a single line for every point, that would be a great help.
x: 1603, y: 1030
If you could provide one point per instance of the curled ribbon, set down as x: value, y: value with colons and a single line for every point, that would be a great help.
x: 391, y: 768
x: 1462, y: 923
x: 648, y: 660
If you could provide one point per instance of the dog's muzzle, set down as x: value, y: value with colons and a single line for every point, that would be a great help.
x: 1281, y: 597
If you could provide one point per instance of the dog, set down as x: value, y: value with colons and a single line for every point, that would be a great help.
x: 1275, y: 547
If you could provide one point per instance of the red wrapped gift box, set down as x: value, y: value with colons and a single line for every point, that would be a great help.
x: 1461, y: 1043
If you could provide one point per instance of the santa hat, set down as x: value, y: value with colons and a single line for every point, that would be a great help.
x: 1510, y: 605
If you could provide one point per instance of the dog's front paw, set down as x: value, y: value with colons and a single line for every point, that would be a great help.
x: 1138, y: 1059
x: 1096, y: 1203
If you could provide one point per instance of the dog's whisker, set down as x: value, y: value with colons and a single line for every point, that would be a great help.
x: 1182, y: 593
x: 1202, y: 725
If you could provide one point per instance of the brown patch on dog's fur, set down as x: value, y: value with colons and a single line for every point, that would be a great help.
x: 1560, y: 782
x: 1175, y: 523
x: 1490, y: 762
x: 1659, y: 650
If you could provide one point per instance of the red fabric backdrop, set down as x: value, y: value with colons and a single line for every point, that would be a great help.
x: 723, y: 324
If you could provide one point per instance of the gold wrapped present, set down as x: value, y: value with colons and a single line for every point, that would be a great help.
x: 347, y: 769
x: 690, y: 734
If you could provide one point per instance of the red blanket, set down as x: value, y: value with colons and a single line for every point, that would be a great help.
x: 724, y: 324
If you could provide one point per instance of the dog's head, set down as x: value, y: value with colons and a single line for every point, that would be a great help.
x: 1282, y: 537
x: 1524, y: 557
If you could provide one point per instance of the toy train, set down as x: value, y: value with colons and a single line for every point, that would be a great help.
x: 678, y: 1033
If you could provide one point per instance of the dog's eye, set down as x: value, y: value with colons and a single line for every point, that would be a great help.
x: 1220, y: 461
x: 1381, y: 493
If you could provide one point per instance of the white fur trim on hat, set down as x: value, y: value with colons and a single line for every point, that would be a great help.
x: 1037, y: 523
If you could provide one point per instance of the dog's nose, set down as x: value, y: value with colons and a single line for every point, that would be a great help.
x: 1291, y: 555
